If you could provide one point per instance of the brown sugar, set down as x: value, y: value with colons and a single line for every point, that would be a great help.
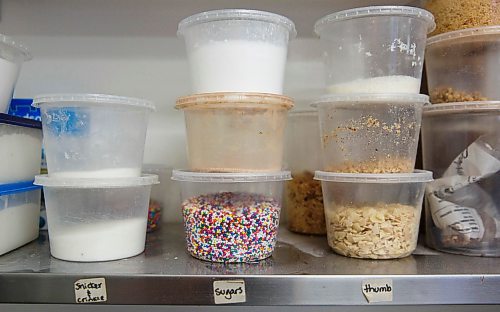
x: 450, y: 95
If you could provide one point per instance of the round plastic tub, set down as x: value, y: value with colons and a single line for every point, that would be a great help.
x: 373, y: 216
x: 463, y: 65
x: 237, y: 50
x: 96, y: 219
x: 370, y: 133
x: 231, y: 217
x: 235, y: 132
x: 378, y: 49
x: 93, y: 135
x: 461, y: 144
x: 12, y: 56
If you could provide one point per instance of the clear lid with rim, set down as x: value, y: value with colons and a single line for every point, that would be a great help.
x: 462, y: 107
x: 464, y: 33
x: 91, y: 98
x: 371, y: 98
x: 47, y: 181
x: 236, y: 14
x: 233, y: 98
x: 417, y: 176
x: 191, y: 176
x: 384, y: 10
x: 16, y: 45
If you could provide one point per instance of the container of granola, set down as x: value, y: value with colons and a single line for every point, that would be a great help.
x: 463, y: 65
x: 370, y: 133
x: 373, y: 216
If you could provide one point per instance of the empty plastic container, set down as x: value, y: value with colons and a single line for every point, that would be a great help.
x: 370, y: 133
x: 235, y: 132
x: 463, y: 65
x: 373, y: 216
x: 231, y: 217
x: 461, y: 144
x: 12, y: 56
x: 93, y: 135
x: 19, y: 214
x: 378, y: 49
x: 235, y: 50
x: 96, y: 219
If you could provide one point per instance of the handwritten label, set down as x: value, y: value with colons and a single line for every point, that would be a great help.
x: 90, y: 290
x: 377, y: 290
x: 232, y: 291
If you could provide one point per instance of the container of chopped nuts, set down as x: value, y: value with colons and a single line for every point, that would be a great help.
x: 370, y: 133
x: 463, y: 65
x: 373, y: 216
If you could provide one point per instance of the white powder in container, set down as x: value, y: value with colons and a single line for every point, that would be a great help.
x: 104, y: 173
x: 18, y: 226
x: 383, y: 84
x: 8, y: 77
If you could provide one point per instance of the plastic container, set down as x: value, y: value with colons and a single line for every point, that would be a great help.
x: 12, y: 56
x: 19, y: 212
x: 373, y: 216
x: 370, y: 133
x: 235, y: 132
x: 378, y: 49
x: 463, y: 65
x: 235, y: 50
x: 20, y: 149
x: 461, y: 144
x: 93, y: 135
x: 96, y: 219
x: 304, y: 199
x: 231, y: 217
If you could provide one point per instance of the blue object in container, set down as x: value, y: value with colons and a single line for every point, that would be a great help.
x: 19, y: 121
x: 19, y: 187
x: 23, y: 108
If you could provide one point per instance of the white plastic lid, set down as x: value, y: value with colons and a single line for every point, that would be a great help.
x: 376, y: 11
x: 9, y: 41
x: 462, y: 107
x: 87, y: 183
x: 233, y: 98
x: 417, y: 176
x: 463, y: 33
x: 91, y: 98
x: 236, y: 14
x: 372, y: 98
x: 191, y: 176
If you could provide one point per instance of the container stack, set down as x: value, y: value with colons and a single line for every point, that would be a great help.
x: 235, y: 122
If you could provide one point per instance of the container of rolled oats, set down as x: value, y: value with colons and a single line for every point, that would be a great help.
x: 374, y: 216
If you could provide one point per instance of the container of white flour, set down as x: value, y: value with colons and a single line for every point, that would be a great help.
x: 96, y: 219
x: 237, y: 50
x: 12, y: 55
x: 93, y: 135
x: 377, y: 49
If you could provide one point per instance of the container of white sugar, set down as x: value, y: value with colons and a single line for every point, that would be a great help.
x: 236, y: 50
x: 378, y: 49
x: 93, y: 135
x: 12, y: 56
x: 96, y: 219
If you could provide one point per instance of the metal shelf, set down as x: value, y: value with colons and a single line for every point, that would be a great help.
x: 302, y: 271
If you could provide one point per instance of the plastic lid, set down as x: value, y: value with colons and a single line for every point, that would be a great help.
x: 94, y: 98
x: 144, y: 180
x: 463, y: 33
x: 18, y: 187
x: 376, y: 11
x: 417, y: 176
x: 233, y: 98
x: 372, y: 97
x: 462, y: 107
x: 236, y: 14
x: 9, y: 41
x: 191, y: 176
x: 19, y: 121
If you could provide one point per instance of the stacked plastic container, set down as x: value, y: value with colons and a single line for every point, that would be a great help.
x: 369, y: 127
x: 235, y: 122
x: 95, y: 196
x: 461, y: 130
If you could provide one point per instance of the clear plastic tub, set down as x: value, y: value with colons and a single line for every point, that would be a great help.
x: 370, y: 133
x: 231, y: 217
x: 235, y: 132
x: 378, y: 49
x: 463, y: 203
x: 19, y: 214
x: 373, y: 216
x: 93, y: 135
x: 12, y: 56
x: 20, y: 149
x: 235, y: 50
x: 463, y: 65
x: 96, y: 219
